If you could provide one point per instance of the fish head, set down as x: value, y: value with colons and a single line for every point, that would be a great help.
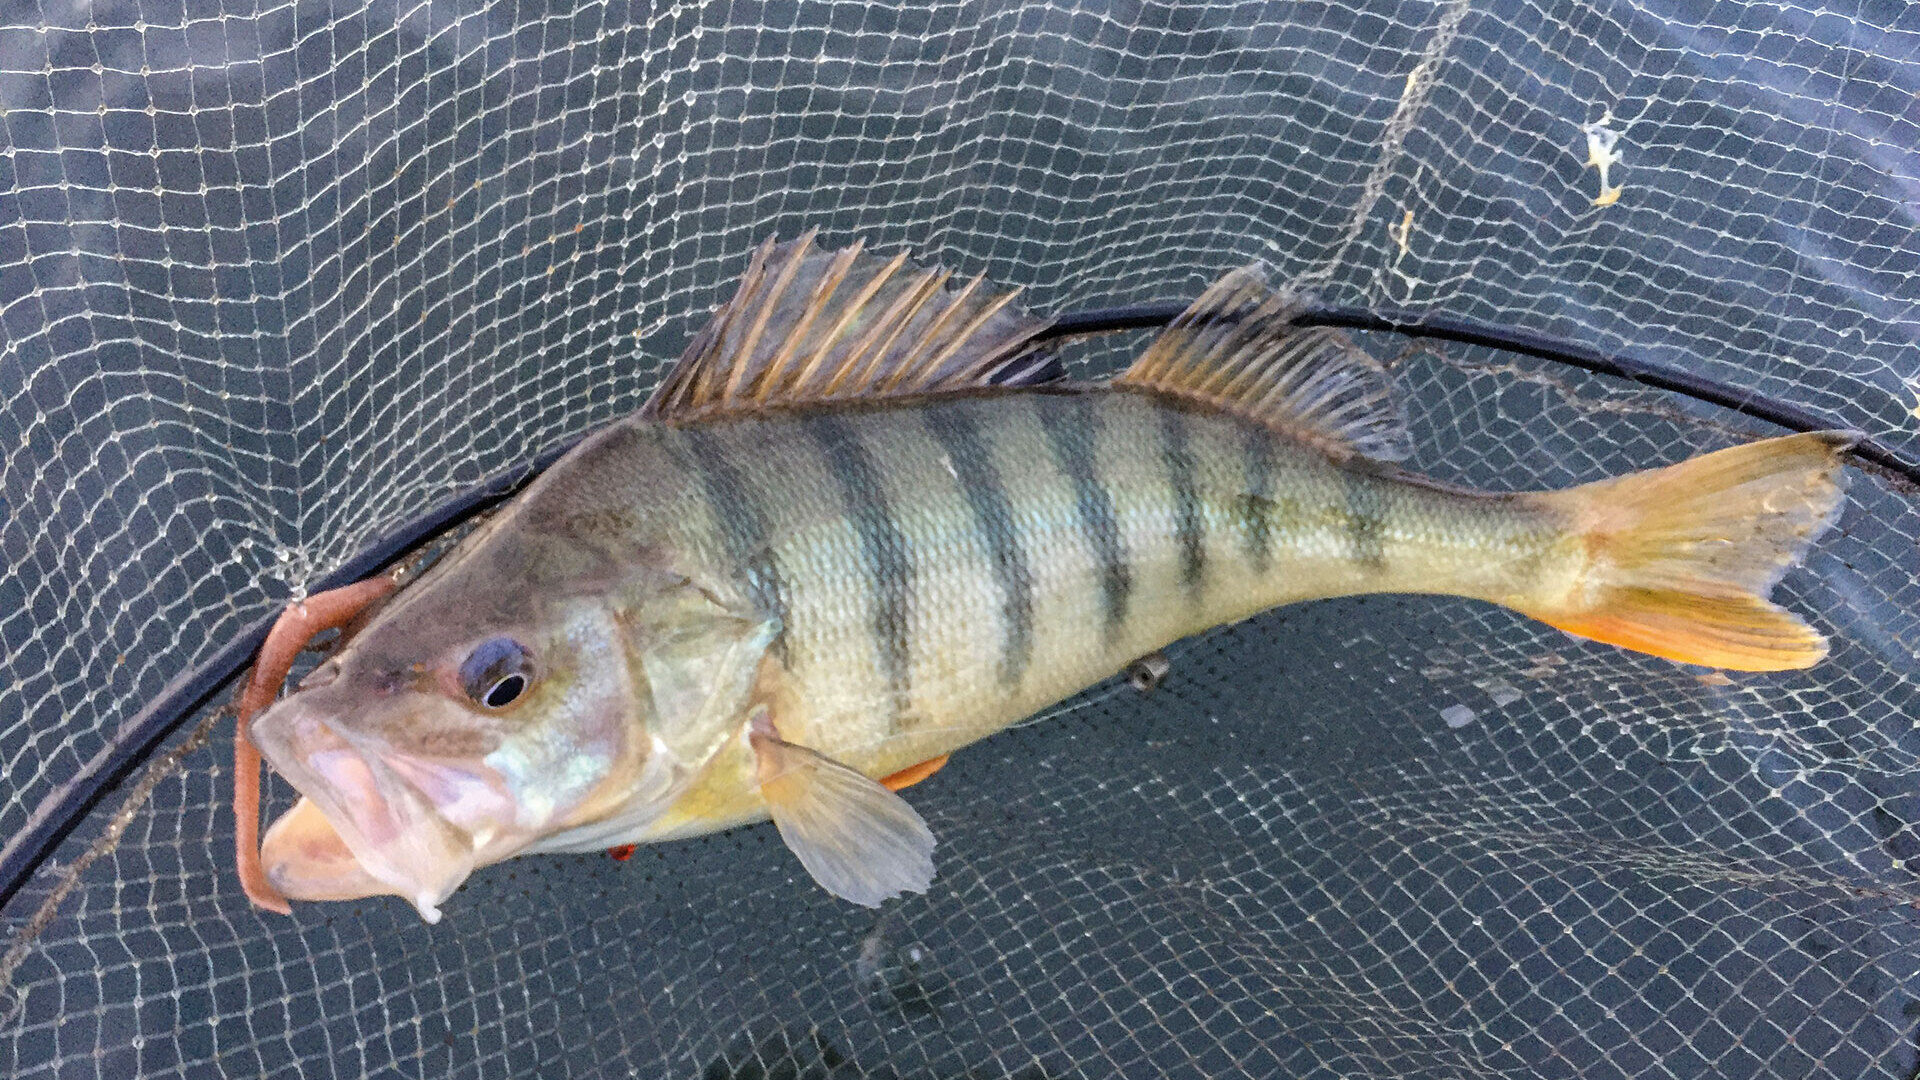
x: 553, y: 684
x: 447, y: 736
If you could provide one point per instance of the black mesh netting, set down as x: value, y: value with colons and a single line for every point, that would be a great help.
x: 277, y: 278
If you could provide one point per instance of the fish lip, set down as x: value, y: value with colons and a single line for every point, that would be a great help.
x: 379, y: 801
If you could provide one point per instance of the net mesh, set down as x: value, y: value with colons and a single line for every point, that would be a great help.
x: 275, y: 277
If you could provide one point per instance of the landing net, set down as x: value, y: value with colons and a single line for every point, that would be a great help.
x: 277, y: 279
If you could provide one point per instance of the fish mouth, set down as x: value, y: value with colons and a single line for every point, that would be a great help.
x: 305, y: 858
x: 374, y: 820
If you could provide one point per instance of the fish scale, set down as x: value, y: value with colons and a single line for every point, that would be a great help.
x: 1058, y: 559
x: 995, y: 528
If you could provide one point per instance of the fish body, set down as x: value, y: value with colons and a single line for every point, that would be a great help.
x: 802, y: 569
x: 942, y: 568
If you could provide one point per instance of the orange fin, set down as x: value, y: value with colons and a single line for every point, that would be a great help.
x: 1239, y: 349
x: 810, y: 326
x: 913, y: 774
x: 621, y: 852
x: 1680, y: 559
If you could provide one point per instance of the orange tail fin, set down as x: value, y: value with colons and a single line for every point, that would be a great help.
x: 1680, y: 559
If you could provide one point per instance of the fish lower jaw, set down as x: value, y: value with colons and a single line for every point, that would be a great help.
x: 307, y: 858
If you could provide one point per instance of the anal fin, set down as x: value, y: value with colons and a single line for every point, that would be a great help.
x: 913, y: 774
x: 860, y: 841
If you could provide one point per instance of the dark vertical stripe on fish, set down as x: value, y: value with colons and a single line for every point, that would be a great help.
x: 1072, y: 432
x: 882, y: 548
x: 952, y: 426
x: 1366, y: 510
x: 1176, y: 454
x: 1256, y: 505
x: 743, y: 527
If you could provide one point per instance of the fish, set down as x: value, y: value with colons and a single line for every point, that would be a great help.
x: 866, y: 520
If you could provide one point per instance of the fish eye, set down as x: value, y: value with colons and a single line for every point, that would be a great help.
x: 497, y: 672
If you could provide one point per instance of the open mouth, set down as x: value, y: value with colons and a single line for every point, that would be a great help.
x: 373, y: 820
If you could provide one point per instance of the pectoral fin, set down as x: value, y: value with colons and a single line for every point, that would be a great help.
x: 860, y: 841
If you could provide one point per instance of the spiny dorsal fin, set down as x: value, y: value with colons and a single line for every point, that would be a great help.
x: 1238, y: 349
x: 812, y: 326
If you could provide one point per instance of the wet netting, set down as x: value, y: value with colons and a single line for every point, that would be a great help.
x: 281, y: 285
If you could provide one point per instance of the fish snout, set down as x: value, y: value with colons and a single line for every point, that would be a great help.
x: 362, y: 803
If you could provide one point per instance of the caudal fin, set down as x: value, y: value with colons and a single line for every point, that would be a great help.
x: 1681, y: 559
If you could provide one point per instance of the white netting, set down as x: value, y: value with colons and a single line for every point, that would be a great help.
x: 274, y: 279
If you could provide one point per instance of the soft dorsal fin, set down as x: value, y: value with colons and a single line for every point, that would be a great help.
x: 812, y: 326
x: 1238, y: 349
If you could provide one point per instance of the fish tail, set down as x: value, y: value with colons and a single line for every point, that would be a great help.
x: 1680, y: 560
